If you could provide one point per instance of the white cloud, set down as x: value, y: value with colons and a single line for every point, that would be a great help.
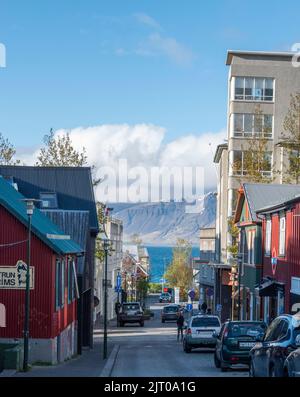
x: 141, y: 145
x: 167, y: 46
x: 147, y: 20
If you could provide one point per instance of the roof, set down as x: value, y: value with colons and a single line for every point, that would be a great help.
x: 42, y: 227
x: 267, y: 54
x: 73, y: 186
x: 75, y: 224
x: 219, y: 151
x: 260, y: 195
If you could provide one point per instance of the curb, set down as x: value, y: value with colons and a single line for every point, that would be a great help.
x: 110, y: 363
x: 8, y: 372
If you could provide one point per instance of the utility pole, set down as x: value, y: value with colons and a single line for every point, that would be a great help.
x: 106, y: 247
x: 240, y: 260
x: 29, y: 210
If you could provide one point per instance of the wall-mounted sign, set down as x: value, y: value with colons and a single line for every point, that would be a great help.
x: 14, y: 277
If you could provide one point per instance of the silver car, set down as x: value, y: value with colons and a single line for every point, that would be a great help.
x: 201, y: 331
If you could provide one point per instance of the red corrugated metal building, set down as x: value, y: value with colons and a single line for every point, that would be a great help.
x: 53, y: 291
x: 280, y: 287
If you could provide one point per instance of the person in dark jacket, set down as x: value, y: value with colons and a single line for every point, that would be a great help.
x: 180, y: 324
x: 204, y: 307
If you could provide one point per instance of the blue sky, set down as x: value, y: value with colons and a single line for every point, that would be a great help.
x: 76, y: 63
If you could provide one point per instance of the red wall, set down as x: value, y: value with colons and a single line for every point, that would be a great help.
x: 289, y: 265
x: 44, y: 321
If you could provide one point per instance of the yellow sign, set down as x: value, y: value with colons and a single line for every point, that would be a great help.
x: 14, y: 277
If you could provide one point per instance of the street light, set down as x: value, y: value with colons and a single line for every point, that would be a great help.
x: 106, y: 248
x: 29, y: 211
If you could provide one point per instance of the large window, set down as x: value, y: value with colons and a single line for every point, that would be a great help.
x: 282, y: 236
x: 239, y: 164
x: 268, y: 237
x: 253, y: 88
x: 248, y: 125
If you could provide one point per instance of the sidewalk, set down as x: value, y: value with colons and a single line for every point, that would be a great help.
x: 89, y: 364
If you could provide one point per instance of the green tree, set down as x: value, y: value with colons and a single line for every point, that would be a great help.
x: 7, y: 152
x: 291, y: 140
x: 180, y: 272
x: 102, y: 220
x: 59, y: 151
x: 142, y: 288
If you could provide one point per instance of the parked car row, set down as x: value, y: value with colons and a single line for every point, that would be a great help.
x: 268, y: 351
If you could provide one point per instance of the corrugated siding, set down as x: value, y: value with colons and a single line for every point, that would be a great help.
x: 44, y: 322
x: 75, y: 224
x: 73, y: 186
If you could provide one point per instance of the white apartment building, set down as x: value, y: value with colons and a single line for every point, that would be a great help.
x: 266, y: 79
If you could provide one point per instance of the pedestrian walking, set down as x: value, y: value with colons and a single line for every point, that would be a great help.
x: 180, y: 323
x: 204, y: 307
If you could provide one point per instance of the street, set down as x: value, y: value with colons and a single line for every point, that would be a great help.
x: 153, y: 351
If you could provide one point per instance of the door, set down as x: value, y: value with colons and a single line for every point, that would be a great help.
x: 219, y: 342
x: 278, y: 349
x: 261, y: 351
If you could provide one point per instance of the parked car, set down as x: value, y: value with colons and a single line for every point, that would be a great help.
x: 235, y: 341
x: 269, y: 353
x: 170, y: 313
x: 200, y: 331
x: 291, y: 366
x: 131, y: 313
x: 165, y: 297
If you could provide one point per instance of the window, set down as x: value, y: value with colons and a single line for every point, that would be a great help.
x: 282, y: 236
x: 246, y: 125
x: 240, y: 160
x: 49, y: 200
x: 272, y: 331
x: 268, y: 237
x: 59, y: 284
x: 253, y: 88
x: 206, y: 322
x: 71, y: 281
x: 251, y: 247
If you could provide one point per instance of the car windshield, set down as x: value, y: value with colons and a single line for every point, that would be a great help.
x: 131, y: 307
x: 205, y: 322
x: 246, y: 329
x: 171, y: 309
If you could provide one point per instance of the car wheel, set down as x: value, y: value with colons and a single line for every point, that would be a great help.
x: 142, y: 323
x: 163, y: 321
x: 217, y: 361
x: 121, y: 324
x: 251, y: 370
x: 223, y: 368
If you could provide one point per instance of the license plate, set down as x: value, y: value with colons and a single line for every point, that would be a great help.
x: 246, y: 344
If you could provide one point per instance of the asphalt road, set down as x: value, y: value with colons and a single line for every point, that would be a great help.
x: 153, y: 351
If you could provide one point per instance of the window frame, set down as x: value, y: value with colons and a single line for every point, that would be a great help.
x: 243, y: 134
x: 268, y: 237
x: 253, y: 80
x: 243, y: 172
x: 282, y: 236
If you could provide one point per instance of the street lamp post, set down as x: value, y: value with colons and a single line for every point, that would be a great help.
x: 233, y: 279
x: 106, y: 247
x: 29, y: 211
x: 240, y: 260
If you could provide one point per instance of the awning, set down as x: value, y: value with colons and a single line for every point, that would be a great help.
x: 270, y: 287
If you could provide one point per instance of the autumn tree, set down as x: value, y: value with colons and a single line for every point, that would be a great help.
x: 7, y: 152
x: 290, y: 140
x: 59, y: 151
x: 180, y: 272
